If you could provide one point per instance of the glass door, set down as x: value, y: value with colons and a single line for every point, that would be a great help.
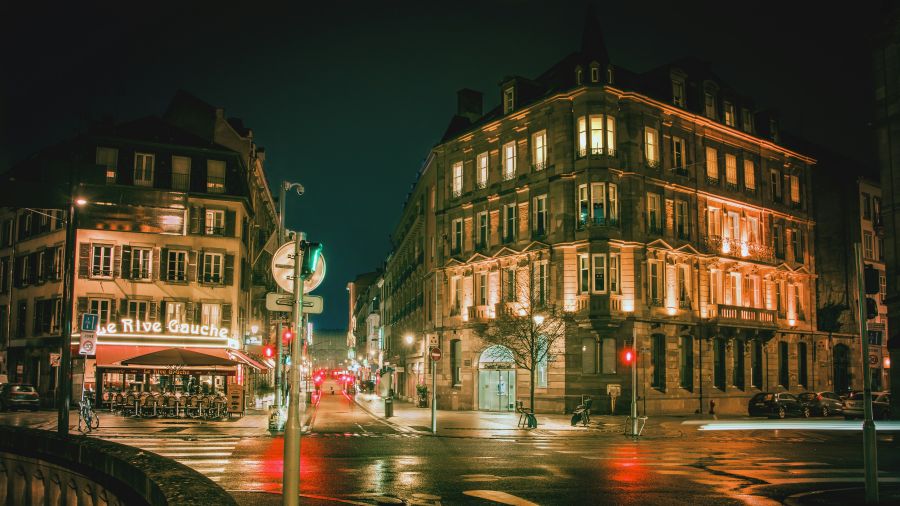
x: 497, y: 390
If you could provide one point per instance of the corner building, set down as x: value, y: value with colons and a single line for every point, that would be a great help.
x: 659, y: 209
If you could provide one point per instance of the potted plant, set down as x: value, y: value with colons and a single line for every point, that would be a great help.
x: 422, y: 392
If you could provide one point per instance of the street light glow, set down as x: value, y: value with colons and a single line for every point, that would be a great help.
x: 80, y: 201
x: 538, y: 319
x: 409, y: 338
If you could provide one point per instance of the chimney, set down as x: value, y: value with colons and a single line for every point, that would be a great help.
x: 468, y: 104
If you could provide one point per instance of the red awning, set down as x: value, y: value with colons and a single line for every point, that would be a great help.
x: 112, y: 356
x: 247, y: 359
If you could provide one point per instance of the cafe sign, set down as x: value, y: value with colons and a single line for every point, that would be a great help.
x: 129, y: 326
x: 132, y: 331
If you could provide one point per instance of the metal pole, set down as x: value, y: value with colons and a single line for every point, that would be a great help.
x: 870, y: 451
x: 279, y: 357
x: 291, y: 474
x: 433, y: 386
x: 634, y: 420
x: 64, y: 392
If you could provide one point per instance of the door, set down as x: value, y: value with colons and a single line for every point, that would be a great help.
x: 497, y: 390
x: 841, y: 373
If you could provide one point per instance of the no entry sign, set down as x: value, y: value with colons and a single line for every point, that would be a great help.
x: 435, y: 354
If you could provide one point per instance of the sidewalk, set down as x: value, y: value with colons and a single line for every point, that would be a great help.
x: 409, y: 418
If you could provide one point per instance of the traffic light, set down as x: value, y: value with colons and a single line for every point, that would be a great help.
x: 873, y: 286
x: 269, y: 351
x: 628, y: 356
x: 311, y: 253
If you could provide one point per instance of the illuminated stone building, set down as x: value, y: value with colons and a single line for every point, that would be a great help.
x: 171, y: 251
x: 659, y: 207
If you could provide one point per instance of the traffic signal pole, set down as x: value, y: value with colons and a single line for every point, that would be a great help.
x: 870, y: 450
x: 634, y: 387
x: 294, y: 424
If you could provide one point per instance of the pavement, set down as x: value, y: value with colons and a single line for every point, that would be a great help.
x: 407, y: 417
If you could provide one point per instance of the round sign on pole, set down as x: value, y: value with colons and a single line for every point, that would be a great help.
x: 435, y: 354
x: 283, y: 270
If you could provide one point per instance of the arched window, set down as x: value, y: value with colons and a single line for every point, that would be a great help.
x: 579, y: 76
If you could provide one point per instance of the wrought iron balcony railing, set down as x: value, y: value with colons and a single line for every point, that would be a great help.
x: 739, y: 249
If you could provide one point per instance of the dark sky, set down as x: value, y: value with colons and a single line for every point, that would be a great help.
x: 348, y: 98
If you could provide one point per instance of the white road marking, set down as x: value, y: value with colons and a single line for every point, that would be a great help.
x: 500, y: 497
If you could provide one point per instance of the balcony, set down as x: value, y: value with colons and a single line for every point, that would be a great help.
x: 712, y: 181
x: 481, y: 184
x: 739, y: 249
x: 653, y: 164
x: 742, y: 315
x: 680, y: 171
x: 732, y: 186
x: 539, y: 166
x: 480, y: 313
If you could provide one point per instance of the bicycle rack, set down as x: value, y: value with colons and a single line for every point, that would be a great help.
x: 642, y: 420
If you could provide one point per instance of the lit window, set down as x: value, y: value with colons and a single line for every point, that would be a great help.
x: 583, y: 205
x: 482, y: 170
x: 613, y: 273
x: 213, y: 268
x: 582, y: 137
x: 215, y: 176
x: 539, y: 143
x: 729, y: 114
x: 101, y: 261
x: 175, y: 311
x: 108, y: 158
x: 509, y: 102
x: 731, y: 170
x: 211, y: 314
x: 596, y: 121
x: 456, y: 189
x: 214, y: 222
x: 143, y: 169
x: 584, y: 273
x: 509, y: 160
x: 712, y: 165
x: 457, y: 238
x: 749, y: 175
x: 595, y: 74
x: 795, y: 189
x: 579, y: 78
x: 181, y: 173
x: 610, y: 136
x: 651, y: 143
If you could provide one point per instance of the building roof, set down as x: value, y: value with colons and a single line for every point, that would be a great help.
x: 156, y: 130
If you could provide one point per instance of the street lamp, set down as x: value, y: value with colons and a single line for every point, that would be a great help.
x: 409, y: 338
x: 64, y: 394
x: 538, y: 319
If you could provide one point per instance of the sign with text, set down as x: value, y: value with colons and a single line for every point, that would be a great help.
x: 87, y: 343
x: 312, y: 304
x: 235, y: 394
x: 89, y: 322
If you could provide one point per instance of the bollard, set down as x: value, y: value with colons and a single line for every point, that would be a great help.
x: 388, y: 407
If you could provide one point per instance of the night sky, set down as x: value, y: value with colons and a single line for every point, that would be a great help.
x: 349, y: 98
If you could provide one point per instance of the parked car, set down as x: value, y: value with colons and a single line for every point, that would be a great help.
x: 15, y: 395
x: 881, y: 406
x: 822, y: 403
x: 777, y: 405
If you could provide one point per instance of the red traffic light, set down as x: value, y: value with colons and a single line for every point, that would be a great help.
x: 628, y: 356
x: 269, y: 351
x: 287, y: 335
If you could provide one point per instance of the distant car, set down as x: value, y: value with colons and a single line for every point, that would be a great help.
x: 777, y: 405
x: 14, y: 395
x: 822, y: 403
x: 881, y: 406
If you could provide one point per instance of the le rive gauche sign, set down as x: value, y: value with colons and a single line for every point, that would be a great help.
x: 174, y: 333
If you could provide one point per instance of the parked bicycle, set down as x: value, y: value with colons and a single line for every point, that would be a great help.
x: 88, y: 419
x: 582, y: 412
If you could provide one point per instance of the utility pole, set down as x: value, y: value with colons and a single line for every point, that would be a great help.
x: 64, y: 394
x: 279, y: 356
x: 293, y: 426
x: 433, y: 397
x: 870, y: 451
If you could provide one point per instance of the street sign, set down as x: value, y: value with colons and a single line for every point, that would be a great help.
x: 435, y: 354
x: 312, y: 304
x: 89, y: 322
x: 433, y: 341
x: 87, y: 343
x: 283, y: 270
x: 54, y: 359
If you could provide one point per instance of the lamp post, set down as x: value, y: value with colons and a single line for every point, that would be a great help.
x: 64, y: 394
x: 286, y: 186
x: 293, y: 426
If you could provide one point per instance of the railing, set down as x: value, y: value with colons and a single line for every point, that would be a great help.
x: 215, y: 184
x: 456, y: 192
x: 605, y: 221
x: 539, y: 166
x: 581, y: 153
x: 732, y: 186
x: 740, y: 249
x: 480, y: 313
x: 684, y: 304
x: 741, y: 314
x: 213, y: 230
x: 653, y: 164
x: 712, y: 181
x: 481, y: 184
x: 509, y: 174
x: 680, y: 171
x: 615, y: 303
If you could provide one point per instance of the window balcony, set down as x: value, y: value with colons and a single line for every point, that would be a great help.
x: 212, y: 278
x: 539, y: 166
x: 456, y: 193
x: 581, y: 153
x: 680, y: 171
x: 596, y: 152
x: 712, y: 181
x: 177, y: 277
x: 212, y: 230
x: 724, y: 314
x: 481, y: 313
x: 481, y: 185
x: 653, y: 164
x: 97, y: 272
x: 215, y: 184
x: 739, y: 249
x: 730, y: 186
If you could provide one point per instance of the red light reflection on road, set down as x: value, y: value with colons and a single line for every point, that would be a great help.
x: 627, y: 467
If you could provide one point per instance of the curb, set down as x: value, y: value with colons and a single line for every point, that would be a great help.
x: 396, y: 426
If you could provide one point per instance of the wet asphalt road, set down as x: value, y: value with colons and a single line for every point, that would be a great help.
x: 354, y: 458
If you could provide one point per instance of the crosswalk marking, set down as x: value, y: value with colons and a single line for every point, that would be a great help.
x: 209, y: 457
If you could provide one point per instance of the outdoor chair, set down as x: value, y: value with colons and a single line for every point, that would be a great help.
x: 129, y: 405
x: 148, y: 406
x: 170, y: 406
x: 192, y: 407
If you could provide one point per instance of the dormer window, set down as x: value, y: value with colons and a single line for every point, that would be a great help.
x: 729, y: 114
x: 579, y: 76
x: 747, y: 121
x: 773, y: 129
x: 678, y: 92
x: 595, y: 73
x: 509, y: 100
x: 709, y: 108
x: 609, y: 75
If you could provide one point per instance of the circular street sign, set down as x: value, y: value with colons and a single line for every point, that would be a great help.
x: 283, y: 270
x: 873, y: 358
x: 435, y: 354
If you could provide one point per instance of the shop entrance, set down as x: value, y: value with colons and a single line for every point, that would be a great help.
x: 496, y: 380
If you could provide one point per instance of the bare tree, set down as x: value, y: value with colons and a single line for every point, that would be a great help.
x: 528, y: 326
